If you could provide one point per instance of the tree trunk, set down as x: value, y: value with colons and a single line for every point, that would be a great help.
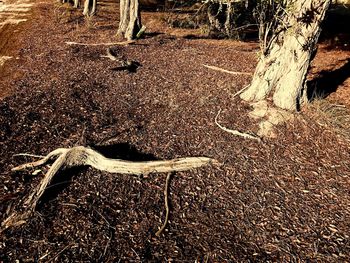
x: 130, y: 19
x: 281, y: 71
x: 90, y: 7
x: 221, y: 17
x: 76, y: 3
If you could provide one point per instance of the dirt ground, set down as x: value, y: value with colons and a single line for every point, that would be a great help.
x: 282, y: 200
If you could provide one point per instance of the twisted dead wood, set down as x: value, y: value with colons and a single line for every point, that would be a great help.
x: 84, y: 156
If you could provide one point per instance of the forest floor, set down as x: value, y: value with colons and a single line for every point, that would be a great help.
x: 283, y: 199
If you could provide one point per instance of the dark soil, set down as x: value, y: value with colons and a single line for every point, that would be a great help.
x: 286, y: 199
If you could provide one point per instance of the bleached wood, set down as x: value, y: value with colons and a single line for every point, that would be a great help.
x: 235, y: 132
x: 42, y: 161
x: 84, y: 156
x: 281, y: 71
x: 76, y: 3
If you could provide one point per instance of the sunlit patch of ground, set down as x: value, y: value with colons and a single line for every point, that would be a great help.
x: 12, y: 13
x: 15, y: 12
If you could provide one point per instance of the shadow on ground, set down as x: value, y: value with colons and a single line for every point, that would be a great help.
x: 62, y: 180
x: 328, y: 82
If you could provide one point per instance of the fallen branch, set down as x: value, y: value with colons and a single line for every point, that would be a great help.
x: 166, y: 203
x: 29, y: 155
x: 101, y: 44
x: 227, y: 71
x: 235, y: 132
x: 84, y: 156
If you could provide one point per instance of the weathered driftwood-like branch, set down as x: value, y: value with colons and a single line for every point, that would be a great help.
x: 227, y: 71
x: 235, y: 132
x: 84, y: 156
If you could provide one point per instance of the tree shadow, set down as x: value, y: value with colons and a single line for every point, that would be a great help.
x: 124, y: 151
x: 327, y: 82
x: 247, y: 36
x: 152, y: 34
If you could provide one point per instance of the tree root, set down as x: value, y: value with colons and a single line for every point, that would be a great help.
x: 84, y: 156
x: 227, y: 71
x: 235, y: 132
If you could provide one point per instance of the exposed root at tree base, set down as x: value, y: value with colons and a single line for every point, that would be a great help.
x: 270, y: 117
x: 84, y: 156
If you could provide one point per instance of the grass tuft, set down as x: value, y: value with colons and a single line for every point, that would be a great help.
x: 334, y: 117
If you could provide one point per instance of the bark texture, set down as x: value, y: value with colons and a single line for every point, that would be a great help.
x: 130, y: 19
x: 281, y: 71
x: 220, y: 16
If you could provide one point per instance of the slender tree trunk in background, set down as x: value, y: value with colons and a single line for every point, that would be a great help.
x: 90, y: 7
x: 76, y: 3
x: 130, y: 19
x: 281, y: 71
x: 220, y: 16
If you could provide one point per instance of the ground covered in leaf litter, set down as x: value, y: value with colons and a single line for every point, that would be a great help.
x: 285, y: 199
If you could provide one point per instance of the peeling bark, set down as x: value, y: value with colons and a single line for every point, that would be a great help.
x: 281, y: 71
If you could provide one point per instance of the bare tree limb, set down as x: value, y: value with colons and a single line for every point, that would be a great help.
x: 84, y: 156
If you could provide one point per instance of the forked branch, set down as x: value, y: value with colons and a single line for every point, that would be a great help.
x: 84, y: 156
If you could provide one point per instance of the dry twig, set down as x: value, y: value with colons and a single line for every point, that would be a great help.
x: 240, y: 91
x: 227, y: 71
x: 235, y: 132
x: 166, y: 202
